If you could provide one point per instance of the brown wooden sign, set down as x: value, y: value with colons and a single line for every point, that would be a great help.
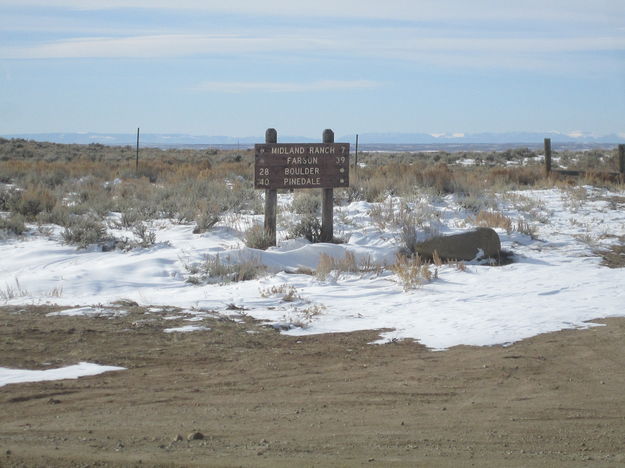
x: 301, y: 165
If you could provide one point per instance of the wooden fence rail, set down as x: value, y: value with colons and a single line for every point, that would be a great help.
x: 615, y: 176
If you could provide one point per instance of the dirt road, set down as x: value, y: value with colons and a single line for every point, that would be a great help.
x: 247, y: 396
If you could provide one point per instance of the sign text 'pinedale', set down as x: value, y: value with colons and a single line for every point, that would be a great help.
x: 301, y: 165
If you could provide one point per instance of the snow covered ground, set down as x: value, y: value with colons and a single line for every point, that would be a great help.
x: 555, y: 282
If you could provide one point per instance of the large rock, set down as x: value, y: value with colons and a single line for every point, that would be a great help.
x: 464, y: 246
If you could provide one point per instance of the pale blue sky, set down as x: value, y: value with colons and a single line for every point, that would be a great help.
x: 237, y: 67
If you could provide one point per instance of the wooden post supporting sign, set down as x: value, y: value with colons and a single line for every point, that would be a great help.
x: 621, y: 159
x: 547, y: 156
x: 327, y: 201
x: 271, y: 195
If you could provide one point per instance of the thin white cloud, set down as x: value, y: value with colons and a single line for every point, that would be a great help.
x: 407, y: 41
x: 423, y: 10
x: 161, y: 46
x: 283, y: 87
x: 22, y: 23
x: 401, y: 44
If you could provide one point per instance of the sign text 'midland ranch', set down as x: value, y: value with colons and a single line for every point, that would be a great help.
x: 299, y: 149
x: 301, y: 165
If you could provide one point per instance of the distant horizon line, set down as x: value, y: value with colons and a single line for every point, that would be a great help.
x: 365, y: 138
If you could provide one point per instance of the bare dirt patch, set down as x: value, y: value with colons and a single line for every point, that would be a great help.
x: 614, y: 256
x: 241, y: 394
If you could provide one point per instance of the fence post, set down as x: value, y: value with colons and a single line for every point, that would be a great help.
x: 137, y: 159
x: 621, y: 159
x: 356, y: 158
x: 271, y: 196
x: 327, y: 201
x: 547, y: 156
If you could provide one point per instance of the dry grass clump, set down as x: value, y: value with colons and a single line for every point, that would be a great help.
x: 12, y: 225
x: 257, y: 237
x: 28, y: 202
x: 407, y: 218
x: 492, y: 219
x: 460, y: 266
x: 308, y: 227
x: 368, y: 265
x: 408, y: 239
x: 602, y: 179
x: 515, y: 177
x: 83, y: 231
x: 476, y: 201
x: 146, y: 237
x: 328, y: 265
x: 324, y: 267
x: 288, y: 293
x: 391, y: 213
x: 131, y: 217
x: 298, y: 316
x: 306, y: 202
x: 205, y: 220
x: 32, y: 201
x: 12, y: 291
x: 214, y: 270
x: 440, y: 178
x: 312, y: 311
x: 303, y: 317
x: 382, y: 214
x: 526, y: 228
x: 368, y: 184
x: 412, y: 272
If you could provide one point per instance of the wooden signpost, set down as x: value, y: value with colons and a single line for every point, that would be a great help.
x: 298, y: 166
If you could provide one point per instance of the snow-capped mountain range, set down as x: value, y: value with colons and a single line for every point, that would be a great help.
x: 167, y: 139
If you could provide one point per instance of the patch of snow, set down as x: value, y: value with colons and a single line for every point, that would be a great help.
x: 88, y: 312
x: 11, y: 376
x: 185, y: 329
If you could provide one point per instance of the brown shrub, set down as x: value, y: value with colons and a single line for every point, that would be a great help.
x: 33, y: 201
x: 492, y: 219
